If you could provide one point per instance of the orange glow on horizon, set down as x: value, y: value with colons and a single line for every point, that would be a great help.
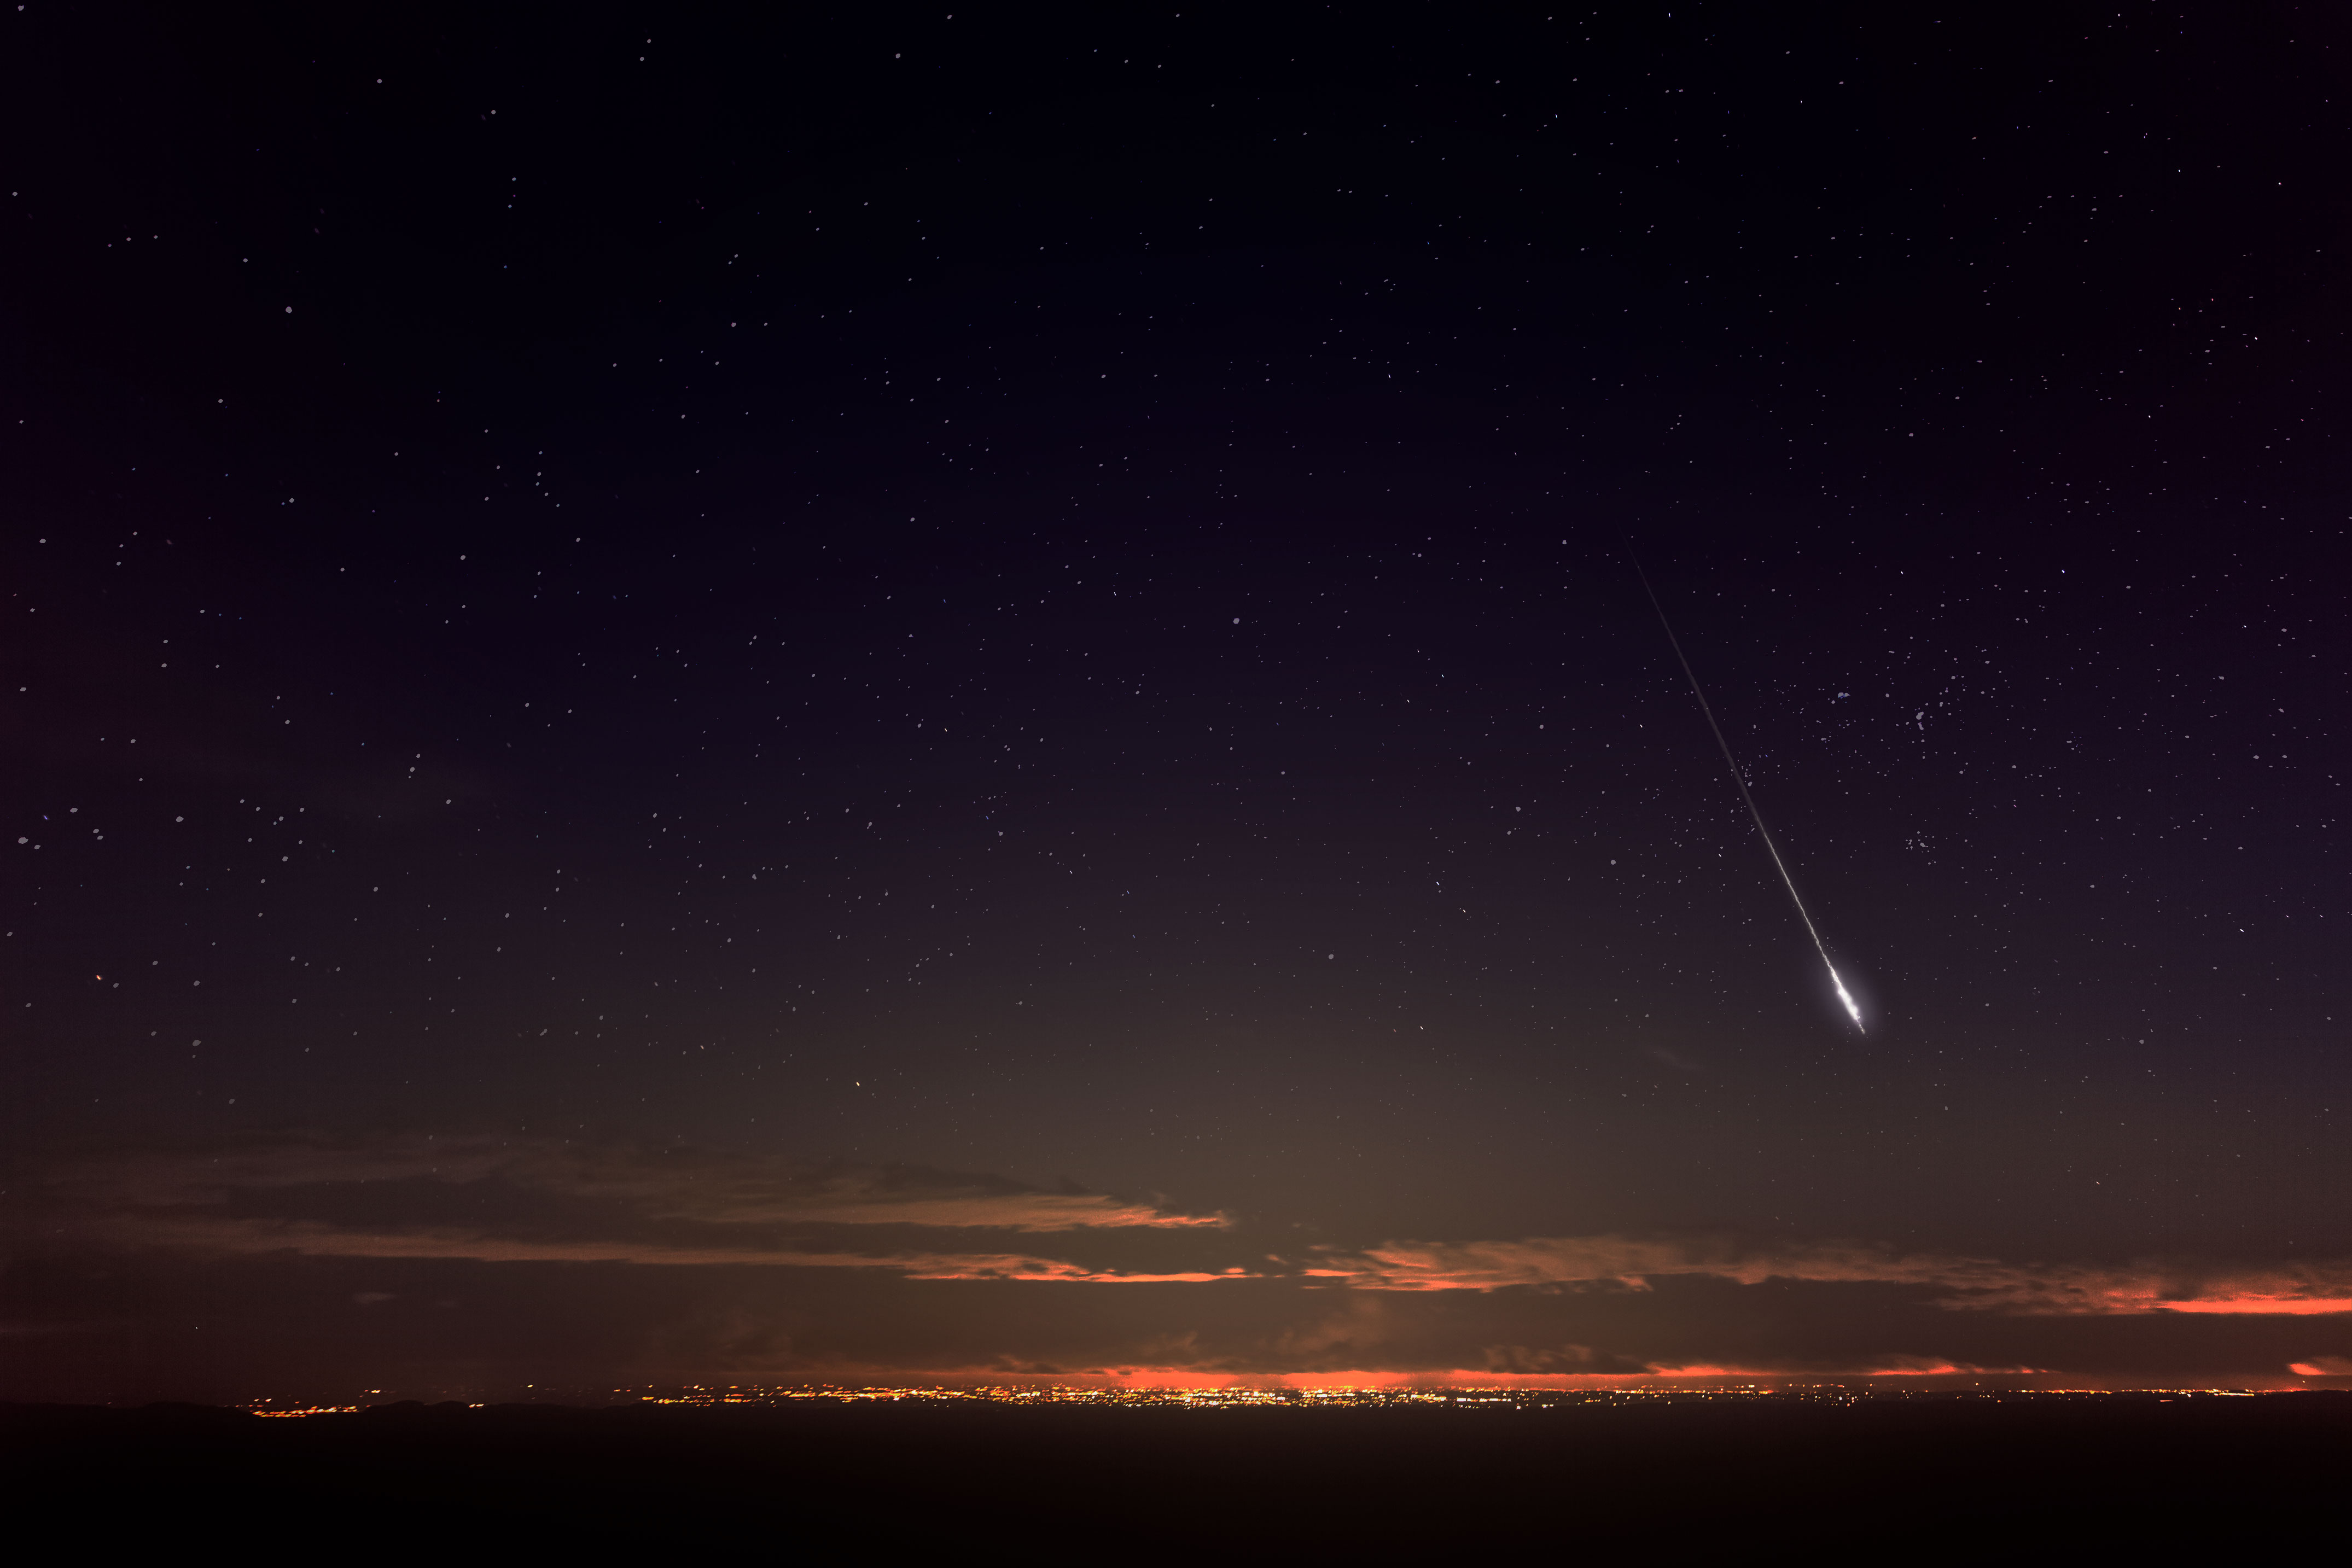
x: 2298, y: 1306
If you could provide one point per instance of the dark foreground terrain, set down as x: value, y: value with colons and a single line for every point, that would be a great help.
x: 1912, y: 1480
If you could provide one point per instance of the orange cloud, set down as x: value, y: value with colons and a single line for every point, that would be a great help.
x: 221, y: 1234
x: 524, y: 1200
x: 1623, y: 1263
x: 1012, y: 1268
x: 2297, y: 1305
x: 637, y: 1183
x: 513, y: 1200
x: 995, y: 1211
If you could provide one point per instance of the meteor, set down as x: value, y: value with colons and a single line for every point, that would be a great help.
x: 1852, y: 1010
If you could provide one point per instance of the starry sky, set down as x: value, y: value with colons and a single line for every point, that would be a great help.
x: 885, y: 696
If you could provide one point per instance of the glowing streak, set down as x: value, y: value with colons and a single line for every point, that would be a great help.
x: 1852, y: 1010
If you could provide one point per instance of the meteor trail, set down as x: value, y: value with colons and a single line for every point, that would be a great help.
x: 1763, y: 833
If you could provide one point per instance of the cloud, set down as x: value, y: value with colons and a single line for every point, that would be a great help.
x: 1932, y: 1366
x: 1623, y: 1263
x: 490, y: 1199
x: 2264, y: 1301
x: 222, y: 1234
x: 661, y: 1265
x: 653, y: 1183
x: 517, y: 1200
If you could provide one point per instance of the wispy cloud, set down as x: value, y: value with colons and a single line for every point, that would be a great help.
x: 1617, y: 1262
x: 490, y: 1200
x: 224, y: 1235
x: 510, y: 1200
x: 649, y: 1181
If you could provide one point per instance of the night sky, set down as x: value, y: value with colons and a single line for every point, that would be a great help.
x: 773, y: 696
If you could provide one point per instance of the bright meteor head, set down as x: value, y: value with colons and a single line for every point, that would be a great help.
x: 1853, y: 1009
